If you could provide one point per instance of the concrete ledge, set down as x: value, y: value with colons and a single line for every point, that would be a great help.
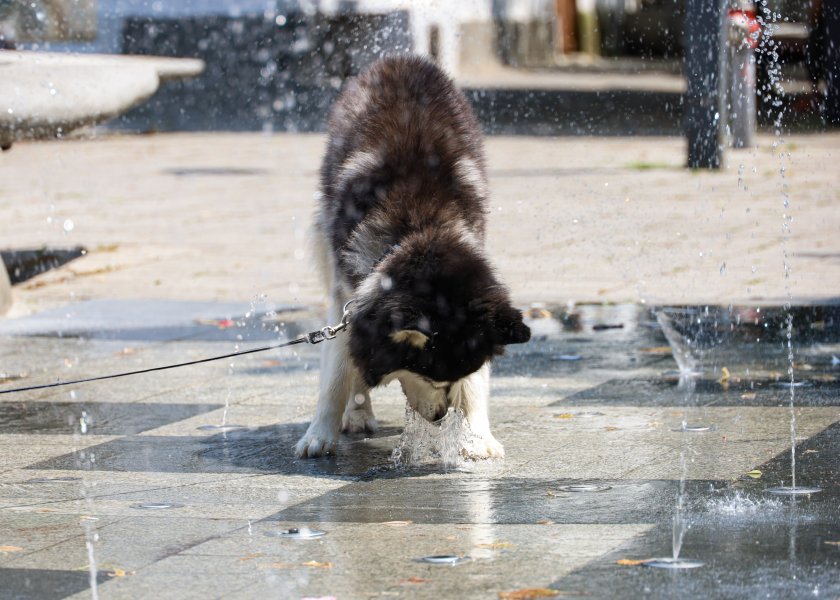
x: 44, y: 95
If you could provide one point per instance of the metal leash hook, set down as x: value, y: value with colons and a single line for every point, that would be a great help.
x: 330, y: 331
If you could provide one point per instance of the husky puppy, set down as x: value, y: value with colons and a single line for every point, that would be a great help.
x: 400, y: 229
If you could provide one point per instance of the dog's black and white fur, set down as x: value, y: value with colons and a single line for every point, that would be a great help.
x: 400, y: 228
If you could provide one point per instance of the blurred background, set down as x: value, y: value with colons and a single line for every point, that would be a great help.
x: 538, y: 67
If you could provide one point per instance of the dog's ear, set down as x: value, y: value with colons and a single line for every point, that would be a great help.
x: 508, y: 327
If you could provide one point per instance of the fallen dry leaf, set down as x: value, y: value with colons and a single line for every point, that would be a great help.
x: 251, y: 556
x: 115, y: 572
x: 656, y: 350
x: 529, y: 594
x: 8, y: 377
x: 414, y: 580
x: 497, y: 545
x: 126, y: 351
x: 10, y: 549
x: 550, y: 494
x: 537, y: 312
x: 724, y: 375
x: 754, y: 474
x: 748, y: 396
x: 99, y: 271
x: 314, y: 564
x: 611, y: 428
x: 564, y: 416
x: 279, y: 565
x: 545, y: 522
x: 628, y: 562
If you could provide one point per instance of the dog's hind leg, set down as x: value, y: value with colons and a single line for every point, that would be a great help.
x: 358, y: 416
x: 336, y: 384
x: 470, y: 395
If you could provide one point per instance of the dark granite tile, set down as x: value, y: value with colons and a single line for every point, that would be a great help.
x: 37, y: 584
x: 258, y: 450
x: 669, y: 392
x: 100, y: 418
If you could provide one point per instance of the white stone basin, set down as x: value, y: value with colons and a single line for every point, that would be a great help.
x: 46, y: 95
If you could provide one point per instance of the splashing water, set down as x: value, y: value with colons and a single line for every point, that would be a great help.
x: 792, y: 402
x: 442, y: 443
x: 739, y: 505
x: 91, y: 537
x: 679, y: 524
x: 681, y: 348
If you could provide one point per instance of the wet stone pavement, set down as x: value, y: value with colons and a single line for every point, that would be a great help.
x: 179, y: 484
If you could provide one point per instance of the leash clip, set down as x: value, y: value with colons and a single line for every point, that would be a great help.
x: 330, y: 331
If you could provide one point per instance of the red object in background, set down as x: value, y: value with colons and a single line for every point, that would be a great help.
x: 747, y: 22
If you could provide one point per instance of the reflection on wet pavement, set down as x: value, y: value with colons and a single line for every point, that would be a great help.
x: 94, y: 418
x: 178, y: 495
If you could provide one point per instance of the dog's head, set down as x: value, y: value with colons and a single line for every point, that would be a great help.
x: 433, y: 307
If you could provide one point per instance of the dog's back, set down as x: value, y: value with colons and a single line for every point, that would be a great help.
x: 404, y: 150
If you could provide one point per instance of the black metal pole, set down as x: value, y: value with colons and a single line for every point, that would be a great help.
x: 704, y: 71
x: 831, y: 13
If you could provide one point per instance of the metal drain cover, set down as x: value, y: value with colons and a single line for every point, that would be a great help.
x: 444, y: 559
x: 585, y: 487
x: 295, y: 533
x: 673, y: 563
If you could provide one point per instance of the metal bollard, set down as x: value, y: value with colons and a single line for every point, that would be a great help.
x: 704, y: 116
x: 744, y: 32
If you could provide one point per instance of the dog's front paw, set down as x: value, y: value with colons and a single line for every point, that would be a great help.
x: 483, y: 447
x: 359, y: 420
x: 314, y: 444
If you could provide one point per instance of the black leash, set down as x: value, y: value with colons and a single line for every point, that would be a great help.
x: 313, y: 337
